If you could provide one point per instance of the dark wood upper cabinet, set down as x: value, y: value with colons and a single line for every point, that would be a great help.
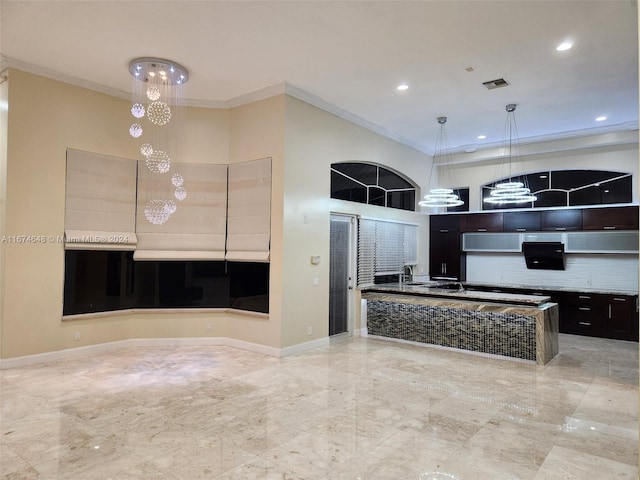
x: 521, y: 221
x: 610, y: 218
x: 481, y: 222
x: 445, y: 223
x: 561, y: 220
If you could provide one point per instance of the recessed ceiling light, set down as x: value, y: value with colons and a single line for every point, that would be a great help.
x: 481, y: 137
x: 564, y: 46
x: 601, y: 118
x: 402, y: 87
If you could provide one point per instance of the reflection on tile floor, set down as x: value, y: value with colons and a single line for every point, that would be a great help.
x: 360, y: 409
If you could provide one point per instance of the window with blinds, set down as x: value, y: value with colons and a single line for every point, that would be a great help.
x: 384, y: 248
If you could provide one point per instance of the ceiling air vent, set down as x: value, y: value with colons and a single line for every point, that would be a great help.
x: 491, y: 84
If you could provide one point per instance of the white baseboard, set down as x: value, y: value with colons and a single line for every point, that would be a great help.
x: 87, y: 350
x: 303, y: 347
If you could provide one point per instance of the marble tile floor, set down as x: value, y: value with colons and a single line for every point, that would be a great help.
x: 361, y: 408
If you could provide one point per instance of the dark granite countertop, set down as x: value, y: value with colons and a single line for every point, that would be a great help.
x: 434, y: 289
x: 551, y: 288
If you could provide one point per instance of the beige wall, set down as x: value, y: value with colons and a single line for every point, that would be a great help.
x: 314, y: 139
x: 257, y: 131
x: 4, y: 110
x: 45, y: 118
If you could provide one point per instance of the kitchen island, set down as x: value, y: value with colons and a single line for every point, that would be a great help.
x: 510, y: 325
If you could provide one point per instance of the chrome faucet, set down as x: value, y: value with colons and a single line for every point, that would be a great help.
x: 406, y: 275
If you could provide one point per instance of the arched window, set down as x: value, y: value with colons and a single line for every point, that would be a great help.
x: 372, y: 184
x: 564, y: 188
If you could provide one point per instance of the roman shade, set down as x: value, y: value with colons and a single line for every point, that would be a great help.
x: 249, y: 211
x: 100, y: 202
x: 196, y: 231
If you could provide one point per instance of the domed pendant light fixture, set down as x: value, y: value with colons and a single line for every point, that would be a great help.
x: 158, y: 95
x: 512, y: 190
x: 439, y: 196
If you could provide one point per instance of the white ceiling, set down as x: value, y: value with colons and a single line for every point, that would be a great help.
x: 350, y: 55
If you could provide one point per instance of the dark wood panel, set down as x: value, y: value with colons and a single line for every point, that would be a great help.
x: 560, y: 220
x: 446, y: 259
x: 481, y: 222
x: 445, y: 222
x: 521, y: 221
x: 610, y: 218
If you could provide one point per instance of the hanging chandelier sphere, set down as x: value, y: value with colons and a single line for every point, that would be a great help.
x: 135, y: 130
x: 180, y: 193
x: 177, y: 180
x: 158, y: 162
x: 153, y: 92
x: 137, y: 110
x: 156, y: 212
x: 146, y: 149
x: 159, y: 113
x: 170, y: 207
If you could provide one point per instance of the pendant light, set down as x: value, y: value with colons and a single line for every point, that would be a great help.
x: 511, y: 190
x: 440, y: 196
x: 158, y: 97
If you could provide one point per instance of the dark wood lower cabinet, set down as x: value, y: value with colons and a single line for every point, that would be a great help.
x: 590, y: 314
x: 583, y: 314
x: 599, y: 315
x: 623, y: 317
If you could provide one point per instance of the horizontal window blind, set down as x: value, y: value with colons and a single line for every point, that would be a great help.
x: 100, y: 202
x: 366, y: 252
x: 196, y: 231
x: 384, y: 248
x: 249, y: 211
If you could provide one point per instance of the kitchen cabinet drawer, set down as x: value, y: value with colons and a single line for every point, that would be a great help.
x: 445, y: 223
x: 561, y: 220
x: 599, y: 315
x: 521, y: 221
x: 481, y: 222
x: 610, y: 218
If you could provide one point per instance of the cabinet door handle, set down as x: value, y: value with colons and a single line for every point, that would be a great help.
x: 609, y: 310
x: 561, y: 229
x: 584, y: 297
x: 609, y: 227
x: 585, y: 309
x: 444, y: 231
x: 482, y: 229
x: 521, y: 229
x: 588, y: 324
x: 617, y: 299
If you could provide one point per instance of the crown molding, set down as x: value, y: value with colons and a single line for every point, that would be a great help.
x: 63, y: 77
x: 623, y: 134
x: 318, y: 102
x: 256, y: 96
x: 286, y: 88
